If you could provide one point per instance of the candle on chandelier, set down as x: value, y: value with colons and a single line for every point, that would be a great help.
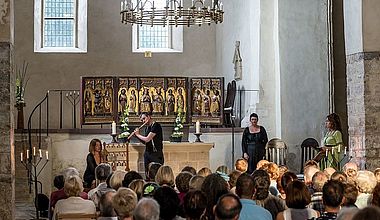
x: 34, y: 151
x: 198, y: 127
x: 27, y: 154
x: 22, y: 156
x: 345, y: 151
x: 47, y: 155
x: 40, y: 151
x: 113, y: 127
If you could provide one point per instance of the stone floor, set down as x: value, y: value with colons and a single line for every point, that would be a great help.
x: 25, y: 211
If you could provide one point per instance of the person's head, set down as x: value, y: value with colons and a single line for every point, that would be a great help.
x: 190, y: 169
x: 369, y: 212
x: 205, y: 171
x: 223, y: 169
x: 366, y: 181
x: 319, y: 179
x: 213, y: 186
x: 351, y: 170
x: 377, y: 174
x: 333, y: 122
x: 117, y: 179
x: 332, y: 193
x: 340, y: 176
x: 165, y: 176
x: 261, y: 182
x: 152, y: 170
x: 147, y: 208
x: 182, y: 181
x: 329, y: 171
x: 282, y: 169
x: 309, y: 173
x: 272, y: 170
x: 70, y: 171
x: 129, y: 177
x: 244, y: 186
x: 196, y: 182
x: 137, y: 186
x: 102, y: 171
x: 124, y: 202
x: 168, y: 200
x: 261, y: 163
x: 73, y: 186
x: 233, y: 176
x: 350, y: 194
x: 194, y: 204
x: 146, y: 117
x: 311, y: 163
x: 347, y: 213
x: 105, y: 205
x: 149, y: 189
x: 95, y: 145
x: 297, y: 195
x: 285, y: 179
x: 254, y: 118
x: 59, y: 182
x: 376, y: 196
x: 241, y: 165
x: 228, y: 207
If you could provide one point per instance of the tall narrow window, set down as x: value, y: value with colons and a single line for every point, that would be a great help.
x: 60, y: 26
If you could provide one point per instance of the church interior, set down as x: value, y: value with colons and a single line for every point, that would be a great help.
x: 292, y: 62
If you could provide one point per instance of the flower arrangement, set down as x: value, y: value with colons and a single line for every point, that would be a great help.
x: 124, y: 124
x: 21, y: 83
x: 178, y: 126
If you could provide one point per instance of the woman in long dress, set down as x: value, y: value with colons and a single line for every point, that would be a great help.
x: 253, y: 143
x: 333, y: 142
x: 93, y: 160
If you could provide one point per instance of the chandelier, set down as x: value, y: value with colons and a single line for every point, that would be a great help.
x: 145, y: 12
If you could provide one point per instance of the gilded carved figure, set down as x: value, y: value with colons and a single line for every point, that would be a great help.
x: 158, y: 101
x: 215, y: 103
x: 98, y: 102
x: 207, y: 102
x: 197, y: 102
x: 132, y: 101
x: 107, y: 102
x: 122, y: 100
x: 171, y: 102
x: 146, y: 101
x: 180, y: 101
x: 88, y: 103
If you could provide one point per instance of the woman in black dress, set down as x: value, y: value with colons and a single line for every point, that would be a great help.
x: 93, y: 160
x: 253, y: 143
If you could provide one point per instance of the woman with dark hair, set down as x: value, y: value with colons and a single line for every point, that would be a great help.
x: 93, y: 159
x: 195, y: 205
x: 333, y: 142
x: 214, y: 186
x: 253, y: 142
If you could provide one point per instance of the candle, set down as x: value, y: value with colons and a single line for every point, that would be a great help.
x: 332, y: 150
x: 47, y: 155
x: 113, y: 127
x: 34, y: 151
x: 22, y: 156
x: 27, y: 154
x: 327, y: 151
x: 197, y: 127
x: 121, y: 6
x: 345, y: 150
x: 40, y: 151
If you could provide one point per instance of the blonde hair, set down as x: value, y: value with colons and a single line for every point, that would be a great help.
x: 137, y: 186
x: 272, y: 170
x: 165, y: 176
x: 261, y: 163
x: 205, y: 171
x: 73, y: 186
x: 117, y: 179
x: 241, y: 165
x: 234, y: 175
x: 124, y: 202
x: 366, y: 181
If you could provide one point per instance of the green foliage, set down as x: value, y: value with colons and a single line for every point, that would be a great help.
x: 178, y: 125
x: 124, y: 124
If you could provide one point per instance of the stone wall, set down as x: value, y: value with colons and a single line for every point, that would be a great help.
x: 363, y: 101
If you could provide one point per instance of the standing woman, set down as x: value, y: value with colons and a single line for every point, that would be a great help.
x: 333, y: 142
x: 253, y: 142
x: 93, y: 159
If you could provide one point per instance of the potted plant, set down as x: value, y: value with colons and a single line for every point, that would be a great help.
x: 21, y: 83
x: 178, y: 126
x: 124, y: 125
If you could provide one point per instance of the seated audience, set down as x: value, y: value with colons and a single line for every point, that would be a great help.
x: 102, y: 171
x: 228, y: 207
x: 165, y: 176
x: 147, y: 208
x: 117, y: 178
x: 137, y: 186
x: 124, y: 202
x: 74, y: 203
x: 297, y: 199
x: 129, y: 177
x: 262, y: 196
x: 261, y: 163
x: 329, y: 171
x: 350, y: 195
x: 59, y: 182
x: 205, y: 171
x: 351, y: 170
x: 213, y: 186
x: 107, y: 211
x: 340, y: 176
x: 282, y: 169
x: 309, y: 172
x: 233, y: 176
x: 222, y: 169
x: 152, y: 171
x: 332, y: 198
x: 283, y: 181
x: 196, y: 182
x: 169, y: 202
x: 241, y: 165
x: 190, y: 169
x: 273, y: 171
x: 195, y: 203
x: 370, y: 212
x: 182, y: 183
x: 245, y: 190
x: 319, y: 179
x: 149, y: 189
x: 366, y: 182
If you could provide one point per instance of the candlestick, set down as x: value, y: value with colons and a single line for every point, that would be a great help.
x: 34, y: 151
x: 47, y: 155
x: 197, y: 127
x: 113, y: 127
x: 27, y: 154
x: 22, y: 156
x: 40, y: 151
